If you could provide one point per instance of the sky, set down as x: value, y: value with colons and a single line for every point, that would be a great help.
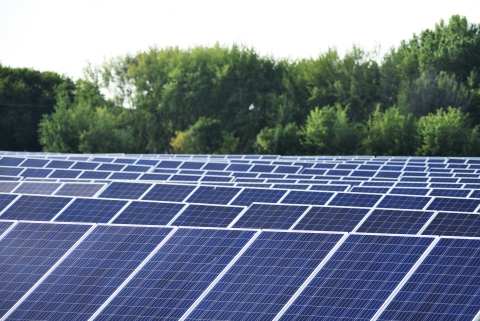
x: 64, y: 36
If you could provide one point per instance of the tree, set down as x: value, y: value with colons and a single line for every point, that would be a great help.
x: 279, y: 140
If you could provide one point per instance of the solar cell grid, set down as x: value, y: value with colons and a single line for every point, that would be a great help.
x: 8, y: 187
x: 125, y: 190
x: 35, y: 208
x: 36, y: 172
x: 265, y: 276
x: 137, y: 169
x: 354, y: 282
x: 85, y: 165
x: 409, y: 191
x: 90, y: 210
x: 31, y: 162
x: 59, y: 164
x: 169, y: 192
x: 37, y: 188
x: 213, y: 195
x: 404, y: 202
x: 185, y: 178
x: 270, y: 216
x: 91, y: 273
x: 454, y: 204
x: 95, y: 175
x: 79, y: 189
x: 10, y: 171
x: 149, y: 213
x: 333, y: 188
x: 10, y: 161
x: 207, y: 215
x: 250, y: 195
x: 355, y: 199
x: 450, y: 192
x: 154, y: 177
x: 326, y: 218
x: 395, y: 221
x: 177, y: 274
x: 307, y: 198
x: 454, y: 224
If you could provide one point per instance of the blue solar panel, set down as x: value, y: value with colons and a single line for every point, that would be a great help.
x: 177, y: 275
x: 125, y: 190
x: 125, y: 160
x: 207, y: 215
x: 85, y: 165
x: 341, y: 219
x: 129, y: 176
x: 192, y: 165
x: 445, y: 286
x: 270, y: 216
x: 36, y: 172
x: 7, y: 187
x: 3, y: 227
x: 79, y: 189
x: 169, y: 164
x: 185, y: 178
x: 110, y: 167
x: 137, y: 169
x: 215, y: 166
x: 454, y: 204
x: 308, y: 198
x: 265, y: 277
x: 154, y: 177
x: 91, y: 273
x: 37, y: 188
x: 419, y: 185
x: 410, y: 191
x: 59, y: 164
x: 91, y: 210
x: 149, y: 213
x: 291, y: 186
x: 34, y: 162
x: 238, y: 167
x: 355, y: 199
x: 250, y: 195
x: 287, y: 169
x: 335, y: 188
x: 450, y: 192
x: 103, y: 159
x: 454, y: 224
x: 169, y: 193
x: 10, y: 171
x: 95, y: 175
x: 404, y: 202
x: 27, y: 252
x: 358, y: 278
x: 395, y: 221
x: 368, y: 189
x: 213, y: 195
x: 147, y: 162
x: 35, y: 208
x: 61, y: 173
x: 10, y: 161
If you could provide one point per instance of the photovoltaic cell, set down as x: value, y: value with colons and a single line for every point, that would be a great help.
x: 35, y: 208
x: 176, y: 275
x: 213, y: 195
x: 308, y: 198
x: 207, y: 215
x: 91, y: 210
x: 79, y: 189
x: 450, y: 192
x: 11, y: 161
x: 62, y: 173
x: 10, y: 171
x: 215, y: 166
x: 125, y: 190
x: 37, y: 188
x: 185, y: 178
x: 454, y: 204
x: 148, y: 213
x: 169, y: 192
x: 169, y: 164
x: 129, y: 176
x: 95, y: 175
x: 410, y: 191
x: 454, y: 224
x: 355, y: 199
x: 192, y: 165
x: 340, y: 219
x: 358, y: 278
x: 90, y: 274
x: 250, y: 195
x: 265, y: 277
x: 7, y: 187
x: 59, y: 164
x: 27, y: 252
x: 238, y: 167
x: 36, y: 172
x: 367, y: 189
x: 110, y: 167
x: 137, y: 169
x: 395, y: 221
x: 270, y: 216
x: 445, y: 286
x: 334, y: 188
x: 404, y: 202
x: 154, y: 177
x: 32, y: 162
x: 85, y: 165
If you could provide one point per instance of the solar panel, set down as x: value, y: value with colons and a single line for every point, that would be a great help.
x: 59, y: 164
x: 326, y: 218
x: 125, y: 190
x: 251, y: 195
x: 85, y: 165
x: 91, y: 273
x: 395, y: 221
x: 192, y: 165
x: 95, y: 175
x: 410, y: 191
x: 148, y: 213
x: 125, y: 176
x: 36, y: 172
x: 79, y: 189
x: 7, y: 187
x: 455, y: 224
x: 213, y: 195
x: 358, y: 278
x: 27, y: 252
x: 335, y: 188
x: 61, y: 173
x: 367, y: 189
x: 134, y: 168
x: 265, y: 276
x: 169, y: 193
x: 169, y: 164
x: 177, y: 274
x: 35, y: 208
x: 454, y: 204
x: 307, y: 198
x: 10, y: 171
x: 444, y: 287
x: 154, y: 177
x: 185, y: 178
x: 89, y: 210
x: 404, y: 202
x: 10, y: 161
x: 32, y: 162
x: 355, y: 199
x: 37, y: 188
x: 207, y: 215
x: 450, y: 192
x: 270, y: 216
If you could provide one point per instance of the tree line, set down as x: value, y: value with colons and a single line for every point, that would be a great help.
x: 420, y: 98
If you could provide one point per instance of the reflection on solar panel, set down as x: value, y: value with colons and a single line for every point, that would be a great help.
x: 308, y: 198
x: 91, y: 210
x: 79, y: 189
x: 404, y: 202
x: 37, y: 188
x: 358, y: 278
x: 353, y: 199
x: 35, y: 208
x: 7, y: 187
x: 91, y: 273
x: 340, y: 219
x: 125, y: 190
x: 179, y: 272
x: 454, y: 204
x: 148, y: 213
x: 395, y: 221
x: 213, y: 195
x: 265, y: 277
x: 208, y: 215
x: 27, y: 252
x: 250, y: 195
x: 270, y: 216
x: 445, y: 286
x: 455, y: 224
x: 169, y: 193
x: 84, y: 165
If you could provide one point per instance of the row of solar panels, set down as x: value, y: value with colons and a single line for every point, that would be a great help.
x: 120, y: 272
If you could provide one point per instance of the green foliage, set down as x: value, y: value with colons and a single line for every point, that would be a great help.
x: 203, y: 137
x: 444, y: 133
x: 279, y: 140
x: 390, y: 133
x: 329, y: 131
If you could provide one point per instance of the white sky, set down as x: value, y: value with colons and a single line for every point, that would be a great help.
x: 63, y: 35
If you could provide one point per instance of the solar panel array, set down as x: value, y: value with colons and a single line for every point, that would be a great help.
x: 238, y: 237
